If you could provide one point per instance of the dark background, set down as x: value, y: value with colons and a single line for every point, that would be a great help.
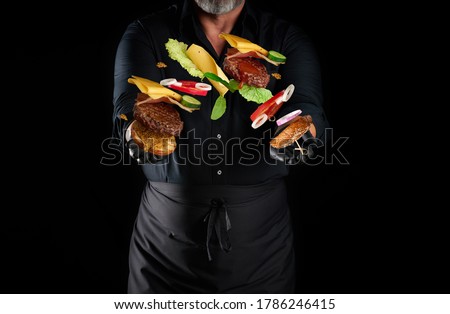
x: 68, y: 220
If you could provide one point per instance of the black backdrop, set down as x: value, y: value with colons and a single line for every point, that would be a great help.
x: 69, y: 222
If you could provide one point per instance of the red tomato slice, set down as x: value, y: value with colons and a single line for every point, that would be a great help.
x: 198, y: 85
x: 189, y: 90
x: 267, y: 106
x: 268, y: 109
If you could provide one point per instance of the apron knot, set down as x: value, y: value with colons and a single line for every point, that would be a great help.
x: 218, y: 221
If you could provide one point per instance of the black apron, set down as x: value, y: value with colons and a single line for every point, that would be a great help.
x: 212, y: 239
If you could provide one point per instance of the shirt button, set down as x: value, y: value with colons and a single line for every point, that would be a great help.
x: 219, y: 172
x: 219, y: 136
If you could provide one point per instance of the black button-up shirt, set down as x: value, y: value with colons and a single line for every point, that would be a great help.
x: 227, y: 150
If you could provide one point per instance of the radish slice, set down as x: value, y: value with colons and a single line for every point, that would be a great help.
x: 203, y: 86
x: 259, y: 121
x: 288, y: 92
x: 168, y: 82
x: 288, y: 117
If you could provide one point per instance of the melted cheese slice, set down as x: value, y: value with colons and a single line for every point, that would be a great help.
x: 203, y: 60
x: 152, y: 88
x: 242, y: 44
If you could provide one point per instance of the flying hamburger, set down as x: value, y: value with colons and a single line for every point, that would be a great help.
x: 156, y: 121
x: 242, y: 64
x: 243, y: 61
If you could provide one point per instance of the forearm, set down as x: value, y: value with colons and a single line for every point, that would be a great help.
x: 133, y: 57
x: 302, y: 69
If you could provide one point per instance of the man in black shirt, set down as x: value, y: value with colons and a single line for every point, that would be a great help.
x: 214, y: 216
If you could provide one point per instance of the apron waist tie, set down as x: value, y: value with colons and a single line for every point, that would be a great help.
x: 218, y: 220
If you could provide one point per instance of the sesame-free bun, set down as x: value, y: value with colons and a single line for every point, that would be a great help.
x: 291, y: 133
x: 154, y: 142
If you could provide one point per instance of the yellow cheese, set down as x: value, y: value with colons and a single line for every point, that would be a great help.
x: 153, y: 89
x: 242, y: 44
x: 203, y: 60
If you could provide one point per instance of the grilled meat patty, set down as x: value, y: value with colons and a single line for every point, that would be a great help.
x: 159, y: 117
x: 247, y: 70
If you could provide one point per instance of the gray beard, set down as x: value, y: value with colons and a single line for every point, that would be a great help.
x: 218, y: 6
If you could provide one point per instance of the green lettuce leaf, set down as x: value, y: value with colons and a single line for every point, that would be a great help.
x: 256, y: 94
x: 219, y: 108
x: 177, y: 51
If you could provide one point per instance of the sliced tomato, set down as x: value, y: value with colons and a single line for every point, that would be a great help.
x: 189, y: 87
x: 269, y: 108
x: 189, y: 90
x: 198, y: 85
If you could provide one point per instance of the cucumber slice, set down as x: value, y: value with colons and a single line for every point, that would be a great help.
x: 276, y: 56
x: 190, y: 102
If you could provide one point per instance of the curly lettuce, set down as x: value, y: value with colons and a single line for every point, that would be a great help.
x: 177, y: 52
